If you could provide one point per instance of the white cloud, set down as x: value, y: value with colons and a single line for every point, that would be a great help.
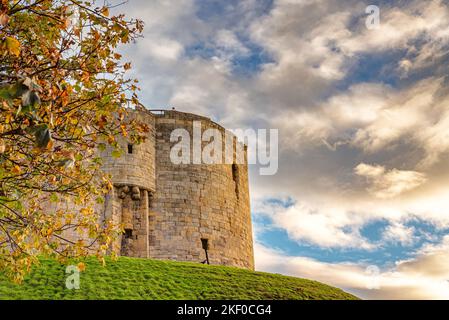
x: 388, y: 184
x: 399, y: 233
x: 328, y: 227
x: 163, y: 49
x: 405, y: 114
x: 423, y: 277
x: 337, y: 222
x: 435, y: 139
x: 400, y: 26
x: 372, y: 117
x: 227, y: 40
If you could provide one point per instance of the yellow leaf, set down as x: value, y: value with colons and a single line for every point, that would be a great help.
x: 105, y: 11
x: 16, y: 169
x: 13, y: 46
x: 81, y: 266
x: 86, y: 211
x: 8, y: 118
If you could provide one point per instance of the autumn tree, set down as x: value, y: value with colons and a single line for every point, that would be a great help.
x: 63, y: 93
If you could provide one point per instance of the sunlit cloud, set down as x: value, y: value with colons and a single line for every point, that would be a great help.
x: 388, y: 184
x: 423, y: 277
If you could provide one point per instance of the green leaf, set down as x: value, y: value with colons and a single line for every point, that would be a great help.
x: 116, y: 153
x: 101, y: 146
x: 100, y: 200
x: 4, y: 93
x: 54, y: 197
x: 11, y: 92
x: 106, y: 99
x: 26, y: 109
x: 42, y: 135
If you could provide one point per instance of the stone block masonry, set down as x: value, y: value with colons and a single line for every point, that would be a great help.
x: 168, y: 209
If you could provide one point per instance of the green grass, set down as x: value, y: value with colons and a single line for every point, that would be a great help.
x: 131, y: 278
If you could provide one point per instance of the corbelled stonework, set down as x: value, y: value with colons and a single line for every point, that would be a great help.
x: 167, y: 209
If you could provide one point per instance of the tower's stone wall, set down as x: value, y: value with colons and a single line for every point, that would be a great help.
x: 198, y: 201
x: 167, y: 209
x: 136, y: 168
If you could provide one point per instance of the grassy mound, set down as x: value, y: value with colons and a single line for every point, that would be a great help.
x: 131, y: 278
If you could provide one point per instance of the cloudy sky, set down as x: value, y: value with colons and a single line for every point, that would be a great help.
x: 361, y: 197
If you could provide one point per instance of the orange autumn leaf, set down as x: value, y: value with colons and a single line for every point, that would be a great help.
x: 16, y: 169
x: 81, y: 267
x: 4, y: 19
x: 105, y: 11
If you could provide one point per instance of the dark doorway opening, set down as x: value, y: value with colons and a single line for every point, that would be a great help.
x: 128, y: 233
x: 205, y: 245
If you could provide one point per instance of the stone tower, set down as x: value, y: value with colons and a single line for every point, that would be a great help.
x: 171, y: 211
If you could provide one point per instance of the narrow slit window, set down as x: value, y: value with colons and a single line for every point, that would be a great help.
x: 235, y: 172
x: 235, y: 177
x: 130, y: 148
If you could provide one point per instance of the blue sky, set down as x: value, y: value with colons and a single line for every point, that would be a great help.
x: 383, y: 256
x: 363, y: 122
